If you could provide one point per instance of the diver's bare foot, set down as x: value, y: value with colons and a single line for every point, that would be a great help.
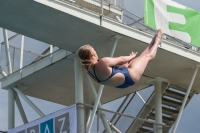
x: 159, y: 36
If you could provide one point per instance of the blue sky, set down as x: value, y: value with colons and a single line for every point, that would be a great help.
x: 190, y: 118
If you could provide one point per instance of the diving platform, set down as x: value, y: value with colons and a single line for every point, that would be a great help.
x: 68, y: 25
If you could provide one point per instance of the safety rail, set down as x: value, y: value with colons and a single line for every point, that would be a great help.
x: 114, y: 128
x: 20, y: 55
x: 127, y: 18
x: 138, y: 22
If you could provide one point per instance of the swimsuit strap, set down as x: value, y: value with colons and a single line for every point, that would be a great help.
x: 95, y: 76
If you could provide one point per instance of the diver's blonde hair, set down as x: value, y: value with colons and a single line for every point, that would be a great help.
x: 84, y: 54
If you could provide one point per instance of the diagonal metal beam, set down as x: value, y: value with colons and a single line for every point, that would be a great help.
x: 29, y: 102
x: 2, y: 72
x: 20, y: 108
x: 136, y: 21
x: 122, y: 104
x: 185, y: 99
x: 141, y: 97
x: 12, y: 37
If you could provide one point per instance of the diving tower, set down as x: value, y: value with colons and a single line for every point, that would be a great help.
x: 70, y: 24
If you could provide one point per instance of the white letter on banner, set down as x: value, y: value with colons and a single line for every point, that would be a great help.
x: 162, y: 18
x: 63, y: 121
x: 47, y: 129
x: 32, y: 131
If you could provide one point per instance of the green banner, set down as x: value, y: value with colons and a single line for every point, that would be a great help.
x: 176, y: 20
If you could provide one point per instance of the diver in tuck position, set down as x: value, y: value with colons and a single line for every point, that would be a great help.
x: 131, y: 67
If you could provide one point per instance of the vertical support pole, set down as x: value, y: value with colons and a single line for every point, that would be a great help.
x: 185, y: 99
x: 51, y: 49
x: 11, y: 109
x: 158, y: 105
x: 154, y: 128
x: 160, y: 84
x: 79, y: 95
x: 21, y: 110
x: 7, y: 50
x: 13, y: 63
x: 22, y: 52
x: 11, y: 106
x: 101, y: 17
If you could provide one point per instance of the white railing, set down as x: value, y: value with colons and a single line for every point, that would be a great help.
x: 114, y: 128
x: 20, y: 55
x: 135, y: 21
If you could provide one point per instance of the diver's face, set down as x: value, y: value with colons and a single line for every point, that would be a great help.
x: 94, y: 54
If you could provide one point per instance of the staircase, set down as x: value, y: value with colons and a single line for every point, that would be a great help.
x: 171, y: 103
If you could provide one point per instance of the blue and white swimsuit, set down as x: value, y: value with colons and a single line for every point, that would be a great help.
x: 128, y: 81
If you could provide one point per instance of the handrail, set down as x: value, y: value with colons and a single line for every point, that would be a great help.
x: 137, y: 118
x: 144, y: 27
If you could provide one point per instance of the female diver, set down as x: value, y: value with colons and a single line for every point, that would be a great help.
x: 131, y: 68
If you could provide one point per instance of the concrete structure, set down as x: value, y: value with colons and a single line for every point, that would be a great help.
x: 68, y: 26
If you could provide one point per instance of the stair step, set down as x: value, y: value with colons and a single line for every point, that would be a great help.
x: 174, y: 94
x: 164, y: 118
x: 146, y: 124
x: 168, y: 111
x: 171, y: 103
x: 143, y: 130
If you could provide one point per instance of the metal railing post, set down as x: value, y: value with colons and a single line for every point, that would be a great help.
x: 185, y: 99
x: 132, y: 117
x: 101, y: 16
x: 51, y: 49
x: 7, y: 50
x: 22, y: 52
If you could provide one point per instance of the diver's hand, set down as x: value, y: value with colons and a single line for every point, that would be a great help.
x: 133, y: 54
